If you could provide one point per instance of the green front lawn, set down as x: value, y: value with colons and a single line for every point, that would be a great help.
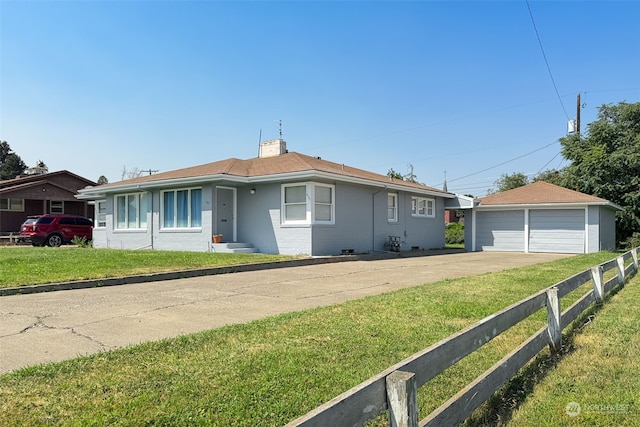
x: 270, y: 371
x: 20, y: 266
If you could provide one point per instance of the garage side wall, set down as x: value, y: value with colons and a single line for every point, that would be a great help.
x: 606, y: 230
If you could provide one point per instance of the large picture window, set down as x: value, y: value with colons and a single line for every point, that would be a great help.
x: 308, y: 203
x: 182, y: 208
x: 424, y: 207
x: 131, y: 211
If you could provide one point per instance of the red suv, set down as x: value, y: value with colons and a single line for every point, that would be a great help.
x: 55, y: 230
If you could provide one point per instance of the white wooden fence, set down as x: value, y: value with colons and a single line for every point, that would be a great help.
x: 395, y: 389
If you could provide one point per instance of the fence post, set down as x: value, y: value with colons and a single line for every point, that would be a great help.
x: 620, y: 264
x: 402, y: 395
x: 553, y: 320
x: 634, y: 254
x: 598, y: 288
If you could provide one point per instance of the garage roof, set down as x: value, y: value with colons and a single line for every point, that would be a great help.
x: 541, y: 192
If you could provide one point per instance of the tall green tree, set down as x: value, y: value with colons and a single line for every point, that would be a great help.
x: 11, y: 165
x: 509, y: 182
x: 606, y: 162
x: 551, y: 176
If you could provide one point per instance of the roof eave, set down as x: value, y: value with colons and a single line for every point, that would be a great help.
x: 549, y: 205
x: 311, y: 174
x: 92, y: 193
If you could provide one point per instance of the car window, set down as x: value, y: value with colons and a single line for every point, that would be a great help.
x: 45, y: 220
x: 84, y: 221
x: 68, y: 221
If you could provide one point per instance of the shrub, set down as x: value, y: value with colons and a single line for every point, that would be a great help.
x: 631, y: 242
x: 81, y: 242
x: 454, y: 233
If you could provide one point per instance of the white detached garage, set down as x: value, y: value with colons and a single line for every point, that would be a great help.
x: 542, y: 217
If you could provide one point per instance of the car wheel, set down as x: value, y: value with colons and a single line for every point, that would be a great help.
x: 55, y: 240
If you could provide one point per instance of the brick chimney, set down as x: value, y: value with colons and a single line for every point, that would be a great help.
x: 273, y: 147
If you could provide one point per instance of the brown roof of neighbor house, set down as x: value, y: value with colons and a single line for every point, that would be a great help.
x: 290, y: 162
x: 539, y: 192
x: 26, y: 179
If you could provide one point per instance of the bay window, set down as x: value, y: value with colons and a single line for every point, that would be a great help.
x: 308, y: 203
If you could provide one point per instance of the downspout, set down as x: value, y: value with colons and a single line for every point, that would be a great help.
x: 373, y: 218
x: 151, y: 221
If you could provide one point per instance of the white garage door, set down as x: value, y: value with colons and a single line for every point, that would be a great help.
x: 556, y: 230
x: 500, y: 231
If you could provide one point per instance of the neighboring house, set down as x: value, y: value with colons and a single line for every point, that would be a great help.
x: 40, y: 194
x: 541, y: 217
x: 279, y: 202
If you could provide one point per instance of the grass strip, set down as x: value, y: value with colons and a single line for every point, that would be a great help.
x: 33, y: 266
x: 270, y: 371
x: 597, y: 382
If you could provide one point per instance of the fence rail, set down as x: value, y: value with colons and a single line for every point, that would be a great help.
x: 395, y: 389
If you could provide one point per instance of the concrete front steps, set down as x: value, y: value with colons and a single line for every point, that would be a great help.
x: 238, y: 248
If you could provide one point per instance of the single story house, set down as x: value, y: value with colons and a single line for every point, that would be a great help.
x: 279, y: 202
x: 541, y: 217
x: 38, y: 194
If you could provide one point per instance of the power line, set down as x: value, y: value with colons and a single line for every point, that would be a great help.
x: 545, y: 60
x: 503, y: 163
x: 546, y: 164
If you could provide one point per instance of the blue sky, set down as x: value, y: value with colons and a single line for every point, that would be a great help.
x: 97, y: 86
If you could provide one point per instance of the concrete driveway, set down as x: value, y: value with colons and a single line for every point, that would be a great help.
x: 54, y: 326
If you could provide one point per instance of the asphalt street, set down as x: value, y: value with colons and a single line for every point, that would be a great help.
x: 54, y: 326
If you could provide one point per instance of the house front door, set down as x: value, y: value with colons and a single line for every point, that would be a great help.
x: 226, y: 213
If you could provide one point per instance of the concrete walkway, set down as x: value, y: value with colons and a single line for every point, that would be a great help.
x: 54, y: 326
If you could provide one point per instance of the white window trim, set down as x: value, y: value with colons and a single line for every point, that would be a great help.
x: 101, y: 217
x: 175, y: 209
x: 142, y: 210
x: 310, y: 217
x: 395, y: 207
x: 415, y: 212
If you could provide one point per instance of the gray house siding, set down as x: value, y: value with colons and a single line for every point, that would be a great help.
x: 360, y: 223
x: 154, y: 236
x: 353, y: 222
x: 260, y: 223
x: 607, y: 229
x: 602, y: 229
x: 425, y: 233
x: 196, y: 239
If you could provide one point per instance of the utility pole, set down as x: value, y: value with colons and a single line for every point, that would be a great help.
x: 578, y: 115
